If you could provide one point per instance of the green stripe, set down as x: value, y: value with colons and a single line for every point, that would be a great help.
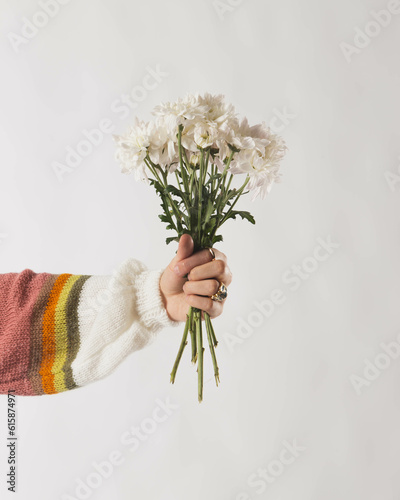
x: 73, y: 330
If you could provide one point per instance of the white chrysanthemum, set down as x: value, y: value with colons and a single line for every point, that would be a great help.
x: 198, y: 114
x: 187, y: 138
x: 205, y: 134
x: 162, y: 149
x: 132, y: 149
x: 241, y: 136
x: 218, y: 111
x: 246, y: 137
x: 207, y: 121
x: 184, y: 111
x: 262, y: 167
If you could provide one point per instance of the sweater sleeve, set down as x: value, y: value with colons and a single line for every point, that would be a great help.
x: 62, y: 331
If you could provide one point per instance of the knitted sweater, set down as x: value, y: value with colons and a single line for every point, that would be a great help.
x: 62, y: 331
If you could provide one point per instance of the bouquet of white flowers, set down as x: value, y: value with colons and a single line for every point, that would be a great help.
x: 200, y: 140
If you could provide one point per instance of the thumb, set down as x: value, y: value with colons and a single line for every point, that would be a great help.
x: 170, y: 281
x: 185, y: 248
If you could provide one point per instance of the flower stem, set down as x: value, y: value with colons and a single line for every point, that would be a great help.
x: 226, y: 216
x: 224, y: 171
x: 153, y: 169
x: 206, y: 166
x: 181, y: 162
x: 214, y: 338
x: 229, y: 183
x: 177, y: 180
x: 200, y: 350
x: 192, y: 330
x: 181, y: 348
x: 221, y: 220
x: 210, y: 332
x: 213, y: 168
x: 200, y: 194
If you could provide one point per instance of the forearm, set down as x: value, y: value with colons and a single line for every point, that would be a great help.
x: 60, y: 332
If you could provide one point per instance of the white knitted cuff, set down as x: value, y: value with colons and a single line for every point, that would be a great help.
x: 149, y: 301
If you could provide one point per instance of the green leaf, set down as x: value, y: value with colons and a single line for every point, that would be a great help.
x: 243, y: 215
x: 157, y: 185
x: 186, y: 218
x: 174, y: 190
x: 208, y: 212
x: 169, y: 240
x: 193, y: 214
x: 213, y: 177
x: 212, y: 223
x: 164, y: 218
x: 217, y: 238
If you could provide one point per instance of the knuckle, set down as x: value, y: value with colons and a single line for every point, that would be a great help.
x: 223, y: 257
x: 220, y: 266
x: 183, y: 266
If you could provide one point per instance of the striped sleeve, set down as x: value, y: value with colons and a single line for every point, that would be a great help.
x: 61, y: 332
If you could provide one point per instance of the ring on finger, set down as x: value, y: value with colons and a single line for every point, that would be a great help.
x: 221, y: 294
x: 211, y: 252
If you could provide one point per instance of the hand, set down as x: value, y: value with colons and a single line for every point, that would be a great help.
x: 203, y: 274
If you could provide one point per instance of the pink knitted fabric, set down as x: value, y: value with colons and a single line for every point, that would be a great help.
x: 18, y: 295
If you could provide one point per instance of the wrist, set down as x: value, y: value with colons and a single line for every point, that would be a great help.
x: 166, y: 301
x: 152, y: 303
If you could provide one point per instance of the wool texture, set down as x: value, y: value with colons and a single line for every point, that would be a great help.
x: 59, y: 332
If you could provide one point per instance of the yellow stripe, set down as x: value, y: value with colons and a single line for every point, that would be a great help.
x: 61, y: 335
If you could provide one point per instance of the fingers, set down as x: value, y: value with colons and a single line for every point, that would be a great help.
x: 205, y: 287
x: 212, y: 307
x: 217, y: 269
x: 204, y: 276
x: 184, y: 266
x: 198, y: 292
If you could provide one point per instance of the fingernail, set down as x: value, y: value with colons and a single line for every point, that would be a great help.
x: 176, y: 269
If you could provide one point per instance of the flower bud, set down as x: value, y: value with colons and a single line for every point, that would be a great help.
x: 194, y: 160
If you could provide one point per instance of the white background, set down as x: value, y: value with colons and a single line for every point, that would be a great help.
x: 291, y: 378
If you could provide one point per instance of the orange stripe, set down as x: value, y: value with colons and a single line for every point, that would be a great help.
x: 49, y: 337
